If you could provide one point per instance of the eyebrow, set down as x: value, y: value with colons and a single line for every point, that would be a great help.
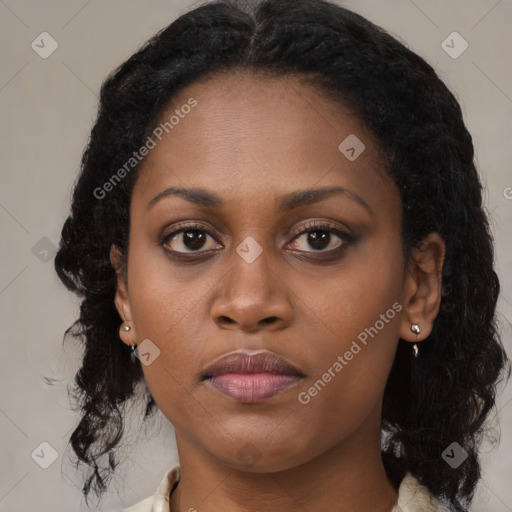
x: 287, y: 202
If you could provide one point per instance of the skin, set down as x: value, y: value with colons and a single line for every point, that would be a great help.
x: 251, y: 140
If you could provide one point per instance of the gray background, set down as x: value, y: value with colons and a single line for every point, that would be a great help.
x: 48, y: 107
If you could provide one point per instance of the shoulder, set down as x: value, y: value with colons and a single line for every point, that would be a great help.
x: 414, y: 497
x: 159, y: 502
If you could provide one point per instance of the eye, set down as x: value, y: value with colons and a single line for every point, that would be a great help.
x: 188, y: 239
x: 321, y: 237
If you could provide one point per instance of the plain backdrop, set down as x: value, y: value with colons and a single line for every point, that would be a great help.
x: 48, y: 106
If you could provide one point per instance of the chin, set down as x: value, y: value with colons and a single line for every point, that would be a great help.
x: 251, y: 459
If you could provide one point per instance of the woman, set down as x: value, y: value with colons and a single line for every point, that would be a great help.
x: 279, y: 211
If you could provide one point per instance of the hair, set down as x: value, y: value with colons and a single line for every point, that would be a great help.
x: 446, y: 394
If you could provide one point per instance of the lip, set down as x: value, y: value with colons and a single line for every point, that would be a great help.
x: 251, y: 377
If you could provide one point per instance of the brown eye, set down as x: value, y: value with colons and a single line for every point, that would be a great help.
x: 189, y: 239
x: 318, y: 240
x: 319, y: 237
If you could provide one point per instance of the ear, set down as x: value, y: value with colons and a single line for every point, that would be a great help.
x: 122, y: 298
x: 422, y: 287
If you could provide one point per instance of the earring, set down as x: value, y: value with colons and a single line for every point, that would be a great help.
x: 415, y: 328
x: 127, y: 328
x: 397, y: 449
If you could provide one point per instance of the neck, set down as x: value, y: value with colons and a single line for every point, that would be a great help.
x: 349, y: 477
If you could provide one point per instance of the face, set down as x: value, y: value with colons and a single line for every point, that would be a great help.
x: 293, y: 246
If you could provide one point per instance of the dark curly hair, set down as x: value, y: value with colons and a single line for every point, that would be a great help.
x: 442, y: 397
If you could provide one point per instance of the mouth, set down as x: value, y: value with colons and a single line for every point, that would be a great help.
x: 250, y: 378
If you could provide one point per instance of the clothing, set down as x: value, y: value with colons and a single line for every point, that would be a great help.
x: 412, y: 496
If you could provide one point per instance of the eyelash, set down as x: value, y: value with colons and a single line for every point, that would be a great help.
x: 309, y: 227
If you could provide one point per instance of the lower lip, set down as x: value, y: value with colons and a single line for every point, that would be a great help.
x: 253, y: 387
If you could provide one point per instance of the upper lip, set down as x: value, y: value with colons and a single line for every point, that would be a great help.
x: 244, y: 362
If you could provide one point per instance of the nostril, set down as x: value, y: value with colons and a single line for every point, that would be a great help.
x: 269, y: 319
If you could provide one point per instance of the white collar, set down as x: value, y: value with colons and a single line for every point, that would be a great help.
x: 412, y: 496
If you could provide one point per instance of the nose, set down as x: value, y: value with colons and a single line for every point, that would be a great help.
x: 252, y: 297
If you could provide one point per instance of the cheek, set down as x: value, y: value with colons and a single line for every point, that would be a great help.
x: 349, y: 375
x: 353, y: 355
x: 165, y: 311
x: 161, y: 298
x: 169, y: 318
x: 357, y: 293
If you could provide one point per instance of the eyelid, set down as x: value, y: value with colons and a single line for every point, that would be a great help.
x: 320, y: 225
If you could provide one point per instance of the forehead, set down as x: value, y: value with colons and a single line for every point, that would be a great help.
x: 277, y: 109
x: 258, y: 132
